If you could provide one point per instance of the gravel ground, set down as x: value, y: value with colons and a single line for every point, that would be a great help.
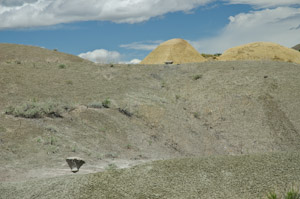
x: 245, y: 176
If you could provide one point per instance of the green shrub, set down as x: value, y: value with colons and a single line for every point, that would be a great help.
x: 52, y: 140
x: 272, y: 195
x: 106, y: 103
x: 196, y: 77
x: 62, y: 66
x: 39, y: 110
x: 74, y: 149
x: 292, y: 194
x: 196, y: 115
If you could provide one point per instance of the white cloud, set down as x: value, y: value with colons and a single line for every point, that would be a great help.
x: 11, y: 3
x: 146, y: 45
x: 101, y: 56
x: 135, y: 61
x: 265, y: 3
x: 33, y: 13
x: 279, y: 25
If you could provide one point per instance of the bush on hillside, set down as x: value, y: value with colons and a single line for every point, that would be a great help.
x: 106, y: 103
x: 39, y: 110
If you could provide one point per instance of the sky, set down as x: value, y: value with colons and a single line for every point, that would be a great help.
x: 126, y: 31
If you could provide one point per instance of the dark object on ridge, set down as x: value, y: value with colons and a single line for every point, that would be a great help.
x: 297, y: 47
x: 75, y: 163
x: 168, y: 62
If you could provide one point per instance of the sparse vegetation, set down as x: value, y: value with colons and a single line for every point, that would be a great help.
x: 39, y: 110
x: 111, y: 166
x: 2, y: 129
x: 106, y: 103
x: 74, y: 149
x: 95, y: 105
x: 196, y: 115
x: 196, y: 77
x: 125, y: 112
x: 211, y: 56
x: 52, y: 140
x: 111, y: 155
x: 291, y: 194
x: 51, y: 129
x: 144, y: 123
x: 61, y: 66
x: 69, y: 82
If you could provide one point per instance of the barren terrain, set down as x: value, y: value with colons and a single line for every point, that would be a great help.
x: 203, y: 130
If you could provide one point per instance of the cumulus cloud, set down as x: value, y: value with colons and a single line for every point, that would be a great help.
x: 11, y: 3
x: 145, y: 45
x: 279, y: 25
x: 265, y: 3
x: 33, y: 13
x: 135, y: 61
x: 101, y: 56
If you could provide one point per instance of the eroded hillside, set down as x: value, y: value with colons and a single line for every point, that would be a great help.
x: 118, y: 116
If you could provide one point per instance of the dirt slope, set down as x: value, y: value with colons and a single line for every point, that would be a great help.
x: 155, y: 112
x: 297, y: 47
x: 124, y: 115
x: 17, y: 53
x: 247, y: 177
x: 261, y: 51
x: 177, y: 50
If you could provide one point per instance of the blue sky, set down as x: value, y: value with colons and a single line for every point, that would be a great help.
x: 126, y: 30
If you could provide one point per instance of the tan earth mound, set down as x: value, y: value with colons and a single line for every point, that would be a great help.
x: 261, y: 51
x: 176, y: 50
x: 22, y: 53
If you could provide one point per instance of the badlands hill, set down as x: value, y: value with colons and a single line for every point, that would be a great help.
x: 210, y: 128
x: 23, y: 53
x: 261, y: 51
x: 297, y: 47
x: 176, y: 50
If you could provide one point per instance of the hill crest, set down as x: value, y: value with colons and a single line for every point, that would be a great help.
x: 26, y: 53
x: 178, y: 51
x: 261, y: 51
